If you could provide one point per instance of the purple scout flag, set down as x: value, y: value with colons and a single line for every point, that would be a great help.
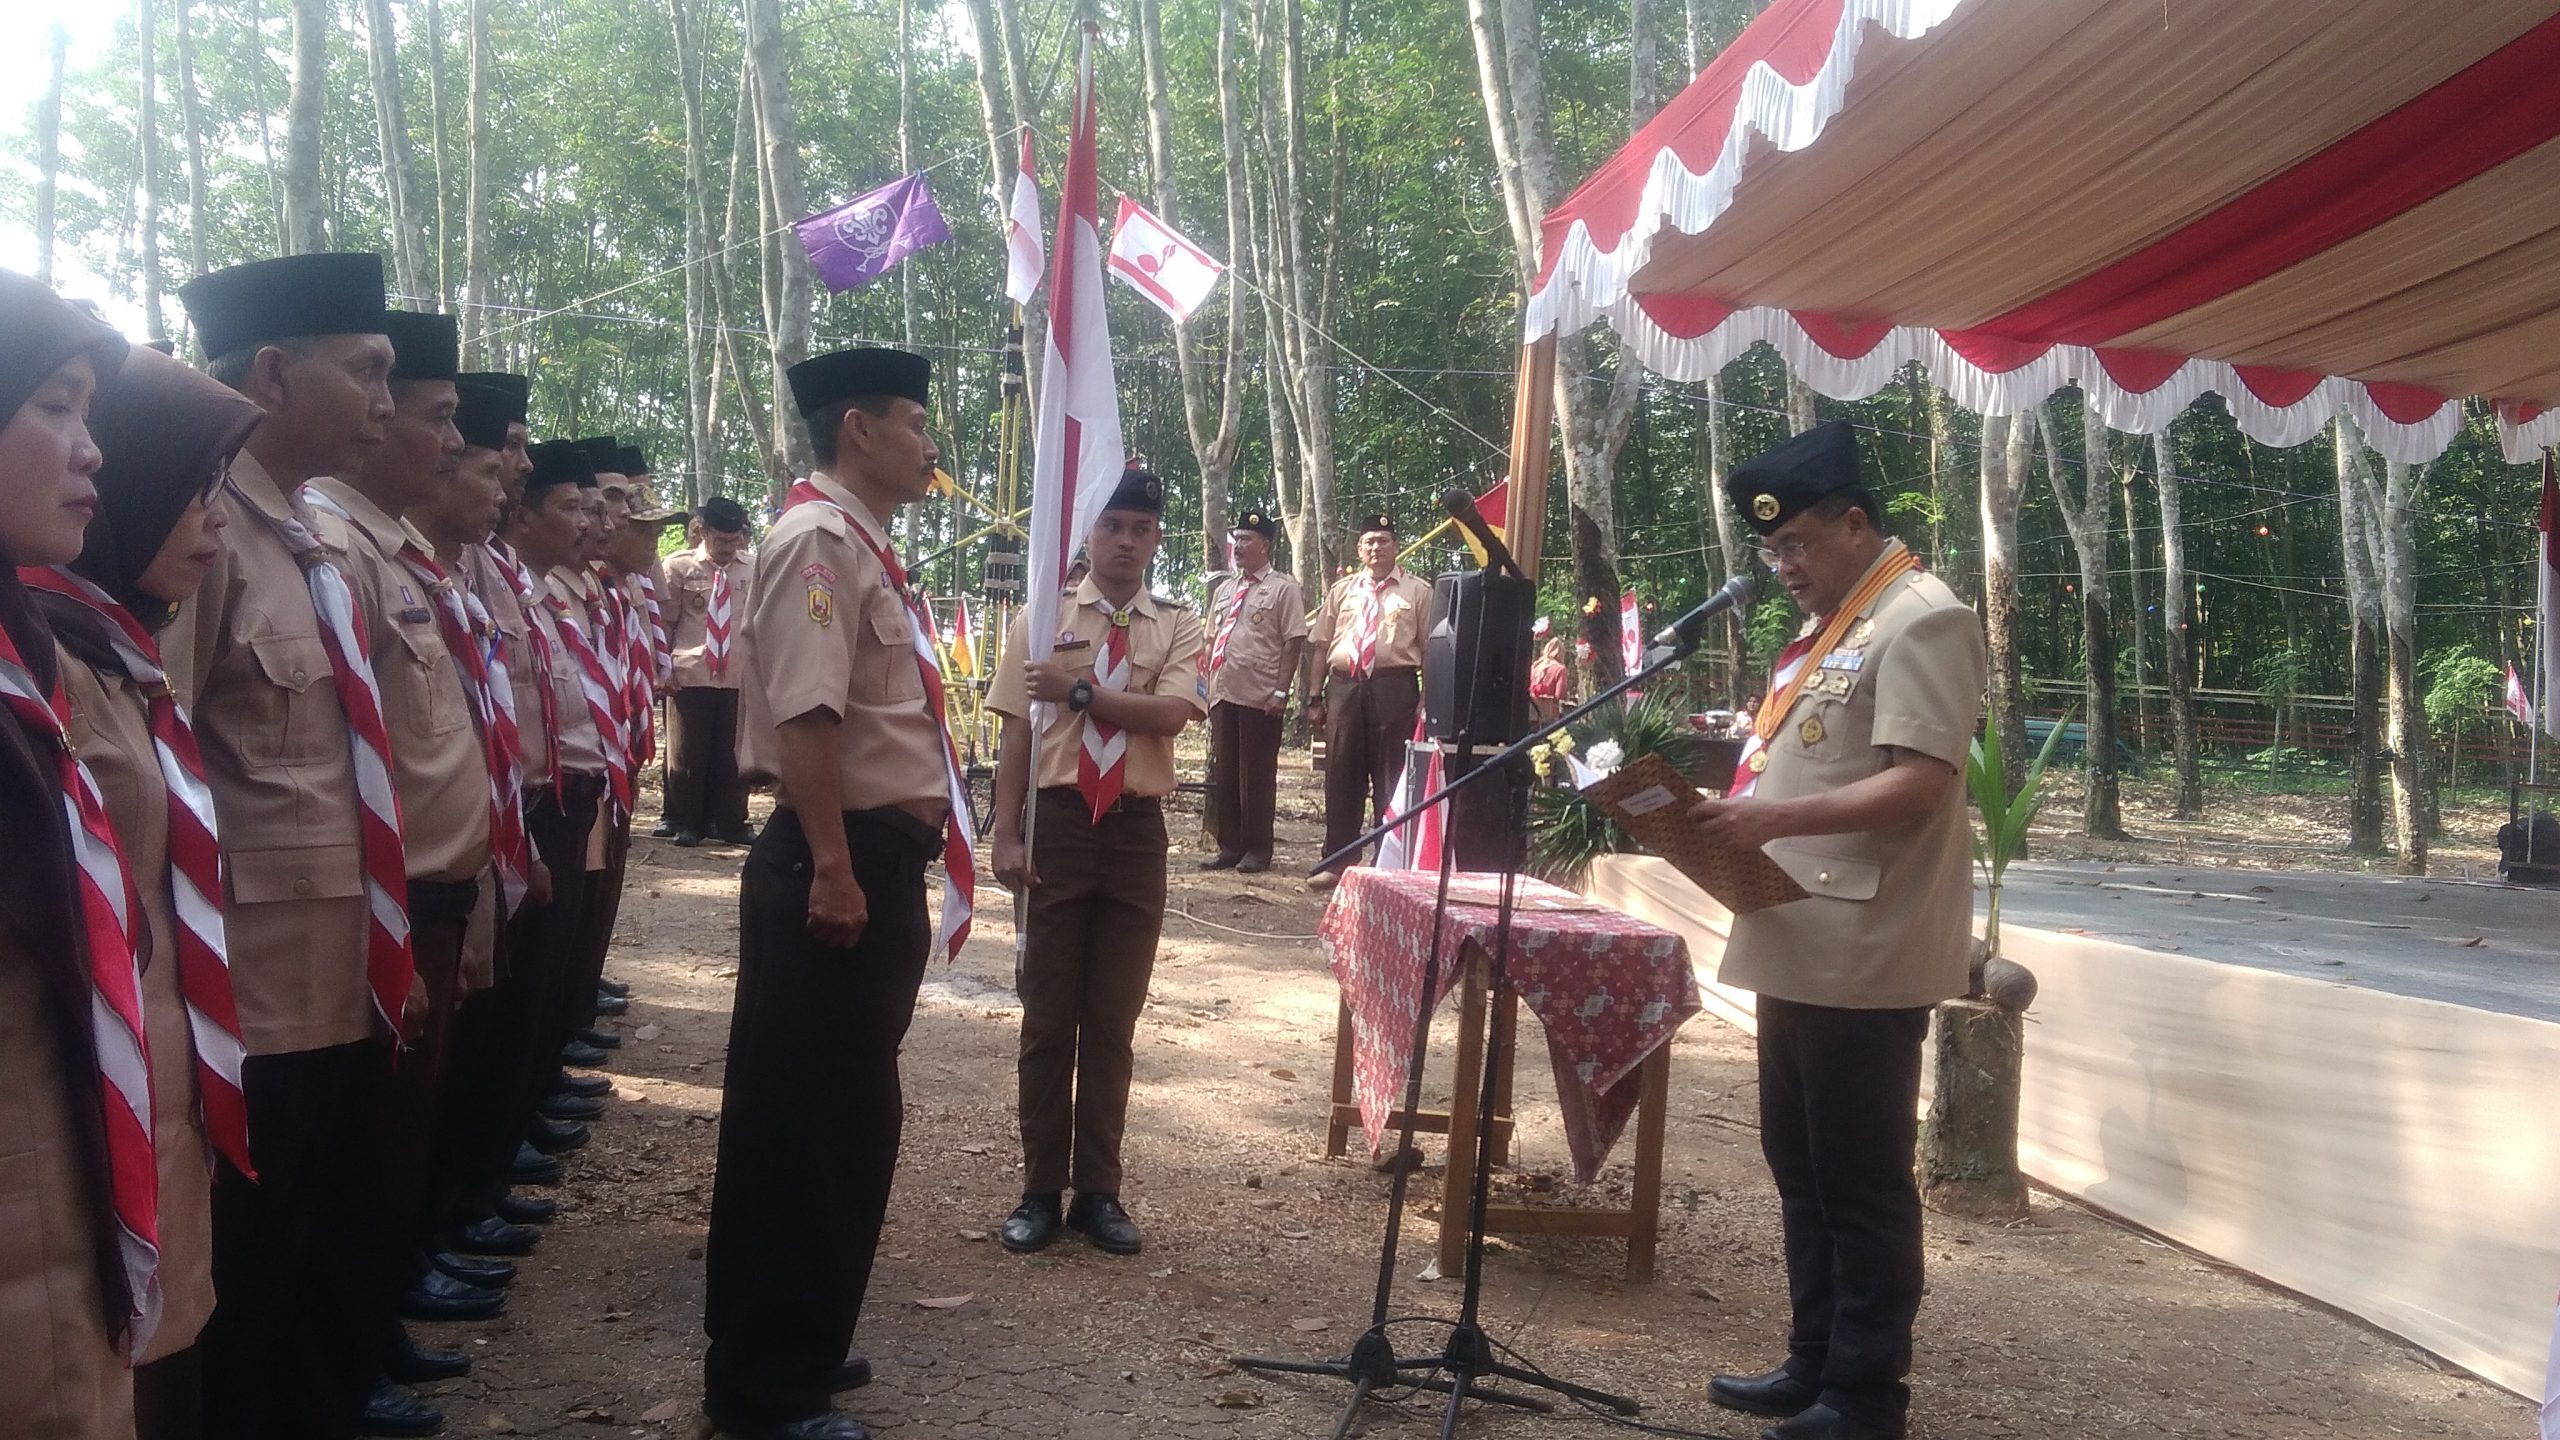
x: 855, y: 242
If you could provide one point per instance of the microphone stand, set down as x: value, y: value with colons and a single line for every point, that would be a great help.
x: 1468, y: 1359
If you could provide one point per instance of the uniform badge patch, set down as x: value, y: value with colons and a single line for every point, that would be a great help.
x: 818, y: 574
x: 1811, y: 731
x: 1758, y: 762
x: 822, y: 605
x: 1765, y: 507
x: 1859, y: 634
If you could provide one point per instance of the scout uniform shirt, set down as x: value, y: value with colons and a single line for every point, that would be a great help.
x: 581, y: 744
x: 1166, y: 646
x: 1275, y: 613
x: 1400, y: 627
x: 437, y: 764
x: 826, y: 631
x: 1888, y: 918
x: 250, y: 665
x: 688, y: 588
x: 480, y: 571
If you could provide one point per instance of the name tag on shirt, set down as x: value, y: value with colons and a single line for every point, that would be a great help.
x: 1850, y: 660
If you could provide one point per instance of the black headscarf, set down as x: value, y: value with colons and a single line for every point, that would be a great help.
x: 39, y: 334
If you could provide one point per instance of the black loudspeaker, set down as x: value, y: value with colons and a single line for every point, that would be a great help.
x: 1489, y: 820
x: 1475, y: 661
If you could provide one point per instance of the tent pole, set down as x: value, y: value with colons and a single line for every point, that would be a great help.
x: 1533, y: 410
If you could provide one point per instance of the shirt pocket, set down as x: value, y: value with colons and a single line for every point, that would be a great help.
x: 305, y: 872
x: 305, y: 726
x: 885, y: 659
x: 1819, y: 729
x: 697, y: 596
x: 442, y: 714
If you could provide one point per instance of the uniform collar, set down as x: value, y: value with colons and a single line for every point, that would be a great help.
x: 387, y: 534
x: 253, y: 482
x: 852, y: 504
x: 1396, y: 576
x: 1891, y: 548
x: 1088, y: 593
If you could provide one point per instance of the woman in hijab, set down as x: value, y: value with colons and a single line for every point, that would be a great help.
x: 77, y: 1175
x: 168, y: 434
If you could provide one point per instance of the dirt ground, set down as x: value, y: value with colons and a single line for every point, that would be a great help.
x: 2064, y: 1325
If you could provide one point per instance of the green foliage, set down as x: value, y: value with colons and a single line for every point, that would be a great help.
x: 1568, y: 832
x: 2004, y: 816
x: 2459, y: 686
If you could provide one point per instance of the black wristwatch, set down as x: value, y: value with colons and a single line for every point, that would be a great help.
x: 1080, y: 696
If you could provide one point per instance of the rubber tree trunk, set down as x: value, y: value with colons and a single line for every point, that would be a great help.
x: 2358, y: 544
x: 2003, y: 466
x: 146, y: 35
x: 702, y: 479
x: 306, y: 227
x: 410, y: 275
x: 479, y: 269
x: 2177, y: 660
x: 793, y: 293
x: 1969, y: 1146
x: 49, y: 149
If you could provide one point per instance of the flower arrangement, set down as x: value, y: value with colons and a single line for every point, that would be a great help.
x: 1566, y: 831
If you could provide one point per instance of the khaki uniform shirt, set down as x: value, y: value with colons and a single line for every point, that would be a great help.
x: 1400, y: 630
x: 479, y: 571
x: 826, y: 632
x: 1256, y: 664
x: 1167, y: 644
x: 1888, y: 919
x: 686, y: 593
x: 247, y: 654
x: 581, y: 744
x: 438, y: 764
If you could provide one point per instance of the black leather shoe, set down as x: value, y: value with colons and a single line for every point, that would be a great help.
x: 664, y: 831
x: 524, y: 1211
x: 556, y: 1137
x: 581, y: 1054
x: 610, y: 1004
x: 1032, y: 1225
x: 1221, y: 861
x: 600, y: 1038
x: 485, y: 1273
x: 1781, y: 1392
x: 390, y: 1410
x: 1104, y: 1223
x: 532, y: 1167
x: 614, y: 987
x: 411, y: 1363
x: 1824, y: 1423
x: 1253, y: 864
x: 831, y: 1425
x: 495, y: 1235
x: 853, y: 1374
x: 438, y: 1296
x: 591, y: 1086
x: 687, y: 839
x: 737, y: 834
x: 570, y: 1107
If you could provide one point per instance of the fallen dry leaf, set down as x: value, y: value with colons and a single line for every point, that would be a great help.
x: 645, y: 1032
x: 1309, y: 1324
x: 1240, y: 1400
x: 946, y: 1302
x: 1297, y: 1234
x: 665, y: 1410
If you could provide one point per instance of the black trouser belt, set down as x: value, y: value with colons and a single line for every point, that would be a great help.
x: 1126, y: 805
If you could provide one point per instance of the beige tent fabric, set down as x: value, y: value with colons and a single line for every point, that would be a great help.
x: 2389, y: 1156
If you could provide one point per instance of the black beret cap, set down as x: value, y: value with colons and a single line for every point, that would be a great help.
x: 1774, y: 487
x: 517, y: 391
x: 1378, y: 520
x: 603, y: 453
x: 423, y: 346
x: 1141, y: 490
x: 483, y: 415
x: 822, y: 380
x: 631, y: 460
x: 324, y: 293
x: 723, y: 514
x: 1258, y: 521
x: 559, y: 462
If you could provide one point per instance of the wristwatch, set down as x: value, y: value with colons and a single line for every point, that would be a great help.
x: 1080, y: 696
x: 1281, y: 695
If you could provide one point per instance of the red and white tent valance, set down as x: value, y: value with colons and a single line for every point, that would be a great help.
x: 2307, y: 208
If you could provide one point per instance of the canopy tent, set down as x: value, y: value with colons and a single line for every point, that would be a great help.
x: 2307, y: 208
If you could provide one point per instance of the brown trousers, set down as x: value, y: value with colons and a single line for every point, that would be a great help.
x: 1090, y: 948
x: 1244, y: 776
x: 1366, y: 725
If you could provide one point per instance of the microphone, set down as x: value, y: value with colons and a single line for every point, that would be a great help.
x: 1462, y: 508
x: 1681, y: 635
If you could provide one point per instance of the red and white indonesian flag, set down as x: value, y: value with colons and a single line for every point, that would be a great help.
x: 1076, y: 456
x: 1022, y: 257
x: 2519, y: 704
x: 1630, y: 632
x: 1161, y: 265
x: 2547, y: 619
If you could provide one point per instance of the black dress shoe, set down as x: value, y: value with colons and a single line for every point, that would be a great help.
x: 1221, y: 861
x: 737, y: 834
x: 486, y: 1273
x: 524, y: 1211
x: 687, y: 839
x: 411, y: 1363
x: 591, y: 1086
x: 853, y: 1374
x: 494, y: 1235
x: 438, y: 1296
x: 664, y: 831
x: 1780, y: 1392
x: 1032, y: 1225
x: 1104, y: 1223
x: 581, y: 1054
x: 830, y: 1425
x: 1253, y: 864
x: 570, y: 1107
x: 1824, y: 1423
x: 610, y: 1004
x: 600, y: 1038
x: 390, y: 1410
x: 614, y: 987
x: 532, y: 1167
x: 556, y: 1137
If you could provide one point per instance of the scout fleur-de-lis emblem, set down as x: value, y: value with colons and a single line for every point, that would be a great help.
x: 1120, y: 617
x: 1810, y: 732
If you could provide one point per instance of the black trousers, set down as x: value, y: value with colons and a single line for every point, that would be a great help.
x: 1839, y: 1101
x: 1366, y: 725
x: 539, y: 953
x: 810, y: 1114
x: 294, y: 1345
x: 1244, y: 776
x: 575, y: 995
x: 1089, y: 950
x: 397, y: 1163
x: 704, y: 793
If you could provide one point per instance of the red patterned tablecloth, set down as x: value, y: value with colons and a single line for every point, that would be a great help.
x: 1608, y: 989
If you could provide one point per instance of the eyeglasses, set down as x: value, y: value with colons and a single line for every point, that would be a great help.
x: 1791, y: 548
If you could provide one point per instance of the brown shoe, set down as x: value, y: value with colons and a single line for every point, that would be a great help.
x: 1324, y: 880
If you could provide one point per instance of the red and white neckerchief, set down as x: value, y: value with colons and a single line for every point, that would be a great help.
x: 662, y: 655
x: 639, y: 685
x: 960, y: 856
x: 538, y: 642
x: 501, y: 749
x: 716, y: 623
x: 1754, y: 759
x: 1227, y: 622
x: 195, y: 871
x: 1809, y: 652
x: 389, y: 964
x: 115, y: 988
x: 598, y: 690
x: 1372, y: 620
x: 1102, y: 754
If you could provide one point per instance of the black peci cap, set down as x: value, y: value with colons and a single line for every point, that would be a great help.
x: 423, y: 346
x: 822, y: 380
x: 722, y: 514
x: 603, y: 453
x: 1140, y: 490
x: 1776, y: 485
x: 1259, y: 521
x: 515, y: 390
x: 484, y: 414
x: 1377, y: 520
x: 559, y: 462
x: 324, y: 293
x: 631, y: 460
